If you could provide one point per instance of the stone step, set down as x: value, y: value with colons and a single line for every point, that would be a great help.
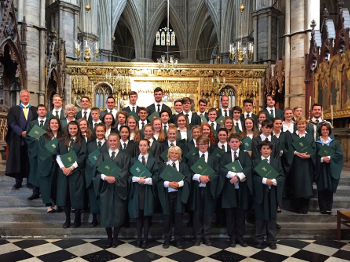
x: 338, y: 203
x: 19, y: 215
x: 50, y: 230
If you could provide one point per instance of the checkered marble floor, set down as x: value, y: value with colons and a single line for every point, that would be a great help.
x: 80, y: 250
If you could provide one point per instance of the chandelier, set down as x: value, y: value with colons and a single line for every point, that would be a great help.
x: 87, y: 52
x: 240, y: 51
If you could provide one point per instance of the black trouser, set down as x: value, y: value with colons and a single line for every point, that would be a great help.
x: 68, y: 207
x: 265, y: 228
x: 302, y: 204
x: 325, y: 200
x: 201, y: 221
x: 24, y: 163
x: 145, y: 222
x: 116, y: 233
x: 235, y: 221
x: 173, y: 218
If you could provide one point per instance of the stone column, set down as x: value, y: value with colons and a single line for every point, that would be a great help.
x: 42, y: 62
x: 287, y: 55
x: 255, y: 23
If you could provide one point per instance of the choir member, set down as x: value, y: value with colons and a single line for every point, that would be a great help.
x: 288, y: 123
x: 121, y: 119
x: 70, y: 116
x: 132, y: 107
x: 85, y: 129
x: 270, y: 110
x: 86, y: 111
x: 224, y: 110
x: 135, y: 135
x: 262, y: 115
x: 109, y: 122
x: 57, y: 110
x: 159, y: 134
x: 127, y: 146
x: 248, y: 108
x: 155, y: 146
x: 184, y: 132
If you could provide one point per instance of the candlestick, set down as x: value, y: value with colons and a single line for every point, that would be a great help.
x: 322, y: 114
x: 332, y: 112
x: 310, y: 103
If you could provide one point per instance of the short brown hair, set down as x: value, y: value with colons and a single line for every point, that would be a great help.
x: 248, y: 100
x: 203, y: 101
x: 233, y: 136
x: 203, y: 139
x: 266, y: 143
x: 300, y: 119
x: 86, y: 97
x: 211, y: 110
x: 141, y: 108
x: 186, y: 100
x: 96, y: 109
x: 294, y: 108
x: 132, y: 93
x: 328, y: 127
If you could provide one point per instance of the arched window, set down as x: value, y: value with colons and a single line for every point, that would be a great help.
x: 228, y: 91
x: 102, y: 92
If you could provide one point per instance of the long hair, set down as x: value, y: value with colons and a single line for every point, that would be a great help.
x: 181, y: 114
x: 137, y: 135
x: 121, y: 131
x: 233, y: 130
x: 211, y: 135
x: 88, y: 133
x: 113, y: 121
x: 78, y: 137
x: 49, y: 135
x: 161, y: 136
x: 243, y: 134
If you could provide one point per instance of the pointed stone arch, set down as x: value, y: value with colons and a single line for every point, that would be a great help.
x: 117, y: 10
x: 155, y: 22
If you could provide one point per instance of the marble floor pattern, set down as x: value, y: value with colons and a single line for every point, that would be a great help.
x: 80, y: 250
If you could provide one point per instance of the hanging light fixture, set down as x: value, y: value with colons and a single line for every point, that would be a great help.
x: 240, y: 51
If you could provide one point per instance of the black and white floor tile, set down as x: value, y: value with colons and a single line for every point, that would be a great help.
x: 82, y: 250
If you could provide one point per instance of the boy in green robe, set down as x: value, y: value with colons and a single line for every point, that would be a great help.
x: 267, y: 196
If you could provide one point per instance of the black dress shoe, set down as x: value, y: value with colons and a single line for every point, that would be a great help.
x: 273, y: 246
x: 197, y: 242
x: 259, y: 245
x: 93, y: 223
x: 34, y: 196
x: 178, y: 244
x: 109, y: 243
x: 76, y: 224
x: 66, y: 224
x: 232, y: 242
x: 17, y: 186
x: 278, y: 226
x: 139, y: 243
x: 207, y: 242
x: 242, y: 242
x: 30, y: 186
x: 144, y: 243
x: 166, y: 244
x: 115, y: 243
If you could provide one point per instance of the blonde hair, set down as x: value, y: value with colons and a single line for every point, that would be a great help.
x: 175, y: 149
x: 67, y: 107
x: 137, y: 136
x: 172, y: 127
x: 161, y: 136
x: 300, y: 120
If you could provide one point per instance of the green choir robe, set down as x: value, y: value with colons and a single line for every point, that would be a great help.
x: 301, y: 175
x: 228, y: 190
x: 33, y: 143
x: 48, y: 171
x: 89, y: 174
x: 265, y: 207
x: 149, y: 190
x: 75, y: 181
x: 285, y: 142
x: 328, y: 174
x: 112, y: 197
x: 211, y: 186
x: 182, y: 193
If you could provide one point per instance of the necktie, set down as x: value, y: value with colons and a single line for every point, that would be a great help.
x: 25, y: 111
x: 71, y: 144
x: 124, y: 146
x: 113, y: 155
x: 248, y: 115
x: 85, y: 114
x: 225, y: 112
x: 235, y: 155
x: 203, y: 156
x: 271, y: 113
x: 142, y: 125
x: 56, y: 113
x: 143, y: 161
x: 212, y: 125
x: 110, y: 111
x: 171, y: 144
x: 223, y: 147
x: 95, y: 124
x: 164, y: 129
x: 317, y: 124
x: 41, y: 123
x: 99, y: 144
x: 188, y: 120
x: 133, y: 109
x: 266, y: 160
x: 174, y: 166
x: 158, y: 108
x: 237, y: 128
x: 266, y: 139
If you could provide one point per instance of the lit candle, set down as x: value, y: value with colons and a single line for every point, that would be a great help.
x: 332, y: 112
x: 310, y: 103
x: 86, y: 43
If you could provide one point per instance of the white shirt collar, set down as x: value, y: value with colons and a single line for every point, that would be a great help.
x: 171, y: 163
x: 140, y: 157
x: 315, y: 119
x: 297, y: 132
x: 102, y: 141
x: 116, y: 152
x: 171, y: 142
x: 44, y: 119
x: 269, y: 109
x: 233, y: 151
x: 268, y: 159
x: 264, y: 137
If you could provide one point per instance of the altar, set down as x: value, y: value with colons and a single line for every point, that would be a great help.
x: 98, y: 80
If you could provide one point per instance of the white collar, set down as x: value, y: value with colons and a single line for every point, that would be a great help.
x: 102, y: 141
x: 171, y: 162
x: 264, y: 137
x: 44, y: 119
x: 171, y: 142
x: 315, y: 119
x: 269, y: 109
x: 233, y: 151
x: 325, y: 142
x: 268, y: 159
x: 116, y: 151
x: 205, y: 153
x: 140, y: 157
x: 87, y: 110
x: 297, y: 132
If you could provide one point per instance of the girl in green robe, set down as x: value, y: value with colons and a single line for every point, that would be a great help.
x: 155, y: 146
x: 48, y: 171
x: 142, y: 192
x: 70, y: 183
x: 97, y: 144
x: 328, y: 169
x: 112, y: 191
x: 302, y: 170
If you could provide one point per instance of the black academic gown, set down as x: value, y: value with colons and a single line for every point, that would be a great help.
x: 89, y: 174
x: 211, y: 186
x: 255, y: 147
x: 189, y: 136
x: 79, y: 116
x: 228, y: 190
x: 187, y: 148
x: 48, y: 171
x: 51, y: 114
x: 254, y: 116
x: 33, y: 144
x: 301, y: 175
x: 127, y: 109
x: 131, y: 148
x: 164, y: 146
x: 148, y: 191
x: 265, y: 206
x: 328, y: 174
x: 155, y: 150
x: 182, y: 193
x: 228, y: 110
x: 151, y: 109
x: 285, y: 142
x: 112, y: 197
x: 17, y: 123
x: 75, y: 181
